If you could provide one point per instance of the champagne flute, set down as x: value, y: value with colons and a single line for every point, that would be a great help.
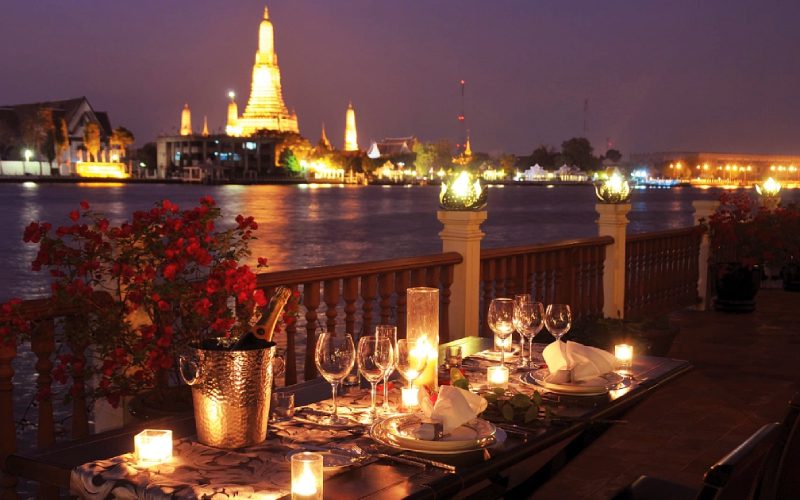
x: 558, y: 320
x: 334, y: 357
x: 390, y: 332
x: 374, y: 356
x: 501, y: 321
x: 528, y: 321
x: 409, y: 363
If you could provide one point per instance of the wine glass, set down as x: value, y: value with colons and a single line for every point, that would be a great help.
x: 558, y: 320
x: 528, y: 321
x: 501, y: 321
x: 374, y: 357
x: 390, y: 332
x: 334, y: 357
x: 410, y: 363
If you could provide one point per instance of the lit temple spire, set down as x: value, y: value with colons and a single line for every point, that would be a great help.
x: 323, y: 140
x: 467, y: 148
x: 265, y: 109
x: 186, y: 120
x: 232, y: 125
x: 350, y: 134
x: 205, y: 126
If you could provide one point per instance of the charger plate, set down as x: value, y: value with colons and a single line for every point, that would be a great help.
x: 592, y: 387
x: 399, y: 432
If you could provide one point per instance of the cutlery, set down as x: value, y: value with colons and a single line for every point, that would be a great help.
x: 426, y: 461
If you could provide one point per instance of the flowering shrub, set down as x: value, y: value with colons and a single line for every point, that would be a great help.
x: 173, y: 277
x: 743, y: 232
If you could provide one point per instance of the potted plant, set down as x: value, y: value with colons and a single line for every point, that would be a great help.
x: 174, y: 279
x: 746, y: 237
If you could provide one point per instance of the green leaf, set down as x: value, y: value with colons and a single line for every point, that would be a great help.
x: 508, y: 412
x: 531, y: 415
x: 499, y: 391
x: 490, y: 397
x: 520, y: 401
x: 455, y: 374
x: 461, y: 383
x: 537, y: 399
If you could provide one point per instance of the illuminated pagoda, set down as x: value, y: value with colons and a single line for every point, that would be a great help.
x: 265, y: 110
x: 350, y: 134
x: 186, y: 120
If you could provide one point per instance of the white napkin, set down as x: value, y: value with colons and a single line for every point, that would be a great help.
x: 453, y: 408
x: 586, y: 362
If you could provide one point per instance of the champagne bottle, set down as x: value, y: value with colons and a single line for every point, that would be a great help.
x: 262, y: 327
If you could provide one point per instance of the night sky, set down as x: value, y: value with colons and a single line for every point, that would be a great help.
x: 659, y: 75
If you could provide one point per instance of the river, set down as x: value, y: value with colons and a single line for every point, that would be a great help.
x: 303, y: 226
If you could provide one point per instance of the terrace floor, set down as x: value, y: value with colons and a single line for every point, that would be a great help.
x: 745, y: 372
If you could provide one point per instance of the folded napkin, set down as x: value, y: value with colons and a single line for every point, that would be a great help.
x: 584, y: 362
x: 453, y: 407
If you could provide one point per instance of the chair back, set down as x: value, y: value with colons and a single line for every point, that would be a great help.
x: 736, y: 475
x: 781, y: 479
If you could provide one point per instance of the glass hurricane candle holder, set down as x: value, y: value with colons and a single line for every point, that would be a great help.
x: 306, y: 476
x: 497, y: 376
x: 624, y: 355
x: 153, y: 446
x: 422, y: 331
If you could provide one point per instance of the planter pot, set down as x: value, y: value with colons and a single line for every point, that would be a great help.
x: 231, y: 391
x: 736, y: 287
x: 791, y: 277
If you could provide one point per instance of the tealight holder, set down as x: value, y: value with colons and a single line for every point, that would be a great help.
x: 410, y: 397
x: 497, y: 376
x: 153, y: 446
x: 306, y: 476
x: 624, y: 355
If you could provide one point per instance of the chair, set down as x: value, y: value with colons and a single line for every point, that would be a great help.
x: 734, y: 477
x: 780, y: 480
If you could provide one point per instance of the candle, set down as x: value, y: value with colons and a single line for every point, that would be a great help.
x: 624, y: 354
x: 306, y: 476
x: 497, y: 376
x: 153, y: 446
x: 410, y: 397
x: 422, y: 328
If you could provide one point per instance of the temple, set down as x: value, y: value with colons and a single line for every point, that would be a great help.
x: 186, y: 120
x: 265, y: 110
x: 350, y: 134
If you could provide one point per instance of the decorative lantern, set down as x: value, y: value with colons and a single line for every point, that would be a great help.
x: 770, y: 192
x: 462, y: 193
x: 614, y: 190
x: 422, y: 331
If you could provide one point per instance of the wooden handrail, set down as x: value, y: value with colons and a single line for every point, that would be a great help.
x: 667, y: 233
x: 343, y: 271
x: 41, y: 309
x: 491, y: 253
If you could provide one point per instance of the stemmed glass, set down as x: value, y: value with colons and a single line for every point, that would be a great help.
x: 558, y: 320
x: 334, y: 357
x: 374, y: 357
x: 389, y: 332
x: 409, y: 364
x: 501, y: 321
x: 528, y: 321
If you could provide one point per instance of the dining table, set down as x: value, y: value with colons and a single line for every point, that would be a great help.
x: 523, y: 456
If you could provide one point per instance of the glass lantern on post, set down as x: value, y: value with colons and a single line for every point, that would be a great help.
x: 422, y: 331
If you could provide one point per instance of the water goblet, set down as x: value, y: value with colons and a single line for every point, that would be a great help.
x: 374, y: 356
x: 390, y: 332
x: 501, y: 321
x: 334, y: 357
x: 528, y: 321
x: 558, y: 320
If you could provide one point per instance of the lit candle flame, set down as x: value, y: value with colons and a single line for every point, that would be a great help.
x: 306, y: 483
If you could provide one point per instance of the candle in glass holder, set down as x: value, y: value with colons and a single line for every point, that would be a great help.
x: 153, y: 446
x: 306, y: 476
x: 422, y: 330
x: 497, y: 376
x: 410, y: 397
x: 624, y: 355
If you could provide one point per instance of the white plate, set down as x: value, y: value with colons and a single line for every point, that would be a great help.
x: 492, y: 355
x: 398, y: 432
x: 592, y: 387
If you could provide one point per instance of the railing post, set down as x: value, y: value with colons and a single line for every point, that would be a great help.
x: 462, y: 234
x: 702, y: 211
x: 613, y: 221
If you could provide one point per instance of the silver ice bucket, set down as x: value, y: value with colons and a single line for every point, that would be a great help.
x: 231, y: 392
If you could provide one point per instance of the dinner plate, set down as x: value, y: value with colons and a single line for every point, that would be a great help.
x: 399, y: 432
x: 597, y: 385
x: 492, y: 355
